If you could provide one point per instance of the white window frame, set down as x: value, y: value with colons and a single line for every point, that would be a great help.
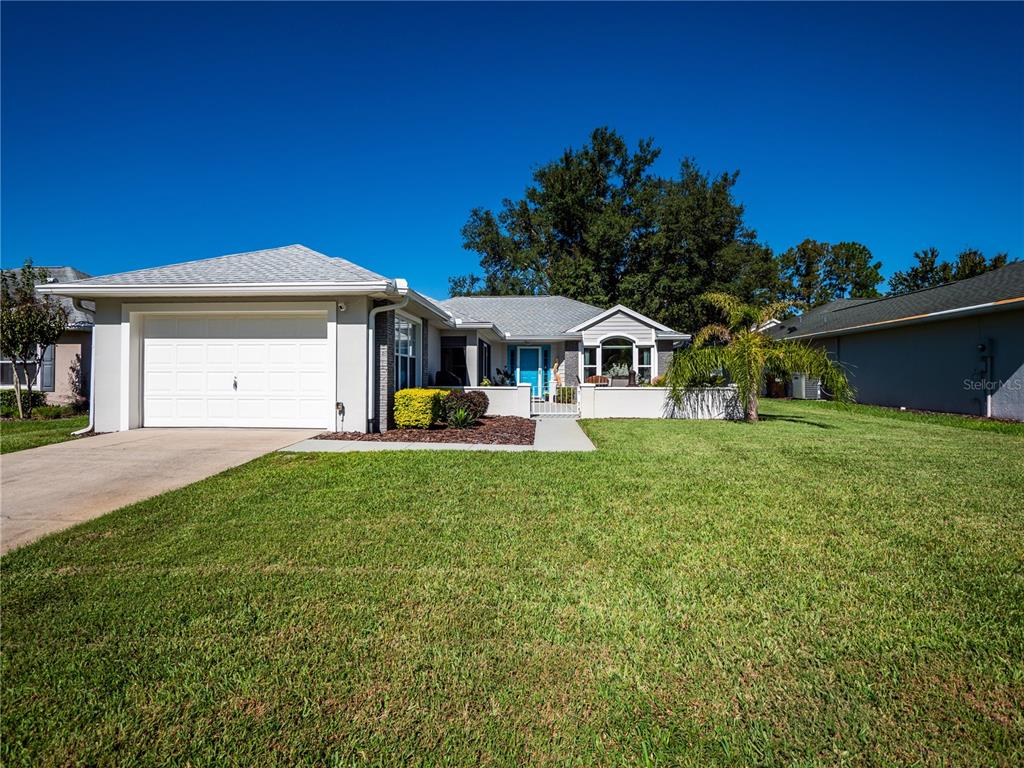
x: 636, y: 355
x: 418, y: 356
x: 37, y: 381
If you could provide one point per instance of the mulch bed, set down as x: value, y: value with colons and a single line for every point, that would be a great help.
x: 490, y: 430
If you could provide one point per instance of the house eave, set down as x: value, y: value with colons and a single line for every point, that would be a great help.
x: 185, y: 290
x: 627, y: 311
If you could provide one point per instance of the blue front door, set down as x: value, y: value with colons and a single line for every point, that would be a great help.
x: 528, y: 369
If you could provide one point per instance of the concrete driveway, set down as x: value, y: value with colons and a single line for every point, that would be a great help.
x: 50, y: 488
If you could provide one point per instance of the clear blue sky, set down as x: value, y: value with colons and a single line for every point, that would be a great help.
x: 142, y: 134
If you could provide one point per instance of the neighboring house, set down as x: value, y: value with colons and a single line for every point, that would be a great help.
x: 289, y: 337
x: 956, y: 348
x: 67, y: 360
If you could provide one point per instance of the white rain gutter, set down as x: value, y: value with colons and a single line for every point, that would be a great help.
x: 77, y: 303
x: 371, y: 322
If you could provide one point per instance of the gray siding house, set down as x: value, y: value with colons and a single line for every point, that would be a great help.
x: 289, y: 337
x: 956, y: 348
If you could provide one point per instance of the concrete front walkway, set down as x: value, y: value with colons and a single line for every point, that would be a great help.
x: 52, y: 487
x: 552, y: 435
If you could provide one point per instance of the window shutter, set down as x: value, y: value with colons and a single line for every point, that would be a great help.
x: 46, y: 376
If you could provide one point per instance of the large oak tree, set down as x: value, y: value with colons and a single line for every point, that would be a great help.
x: 598, y: 225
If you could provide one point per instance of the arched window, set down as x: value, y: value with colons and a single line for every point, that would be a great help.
x: 616, y: 357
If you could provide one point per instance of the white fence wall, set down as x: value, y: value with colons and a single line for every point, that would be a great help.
x: 654, y: 403
x: 504, y: 401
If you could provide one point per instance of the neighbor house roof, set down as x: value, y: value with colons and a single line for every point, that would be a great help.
x: 992, y: 291
x: 78, y: 319
x: 273, y: 269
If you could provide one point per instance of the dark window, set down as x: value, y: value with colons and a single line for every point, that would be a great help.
x: 483, y: 359
x: 453, y: 366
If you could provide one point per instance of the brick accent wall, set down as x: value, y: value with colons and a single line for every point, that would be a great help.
x: 664, y: 356
x: 571, y: 369
x: 384, y: 340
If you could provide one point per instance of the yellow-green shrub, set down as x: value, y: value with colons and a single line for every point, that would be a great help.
x: 418, y: 407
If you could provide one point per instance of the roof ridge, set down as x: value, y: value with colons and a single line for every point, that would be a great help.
x: 218, y: 258
x: 961, y: 281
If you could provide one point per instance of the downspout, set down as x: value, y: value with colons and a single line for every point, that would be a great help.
x: 77, y: 303
x: 371, y: 368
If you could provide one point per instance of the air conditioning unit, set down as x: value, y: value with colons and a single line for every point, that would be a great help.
x: 806, y: 388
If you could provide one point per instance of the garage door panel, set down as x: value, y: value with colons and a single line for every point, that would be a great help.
x: 282, y: 365
x: 309, y: 409
x: 281, y: 381
x: 159, y: 354
x: 190, y: 408
x: 189, y: 354
x: 313, y: 382
x: 220, y: 354
x: 283, y: 354
x: 221, y: 408
x: 160, y: 382
x: 252, y: 354
x: 252, y: 383
x: 190, y: 382
x: 160, y: 407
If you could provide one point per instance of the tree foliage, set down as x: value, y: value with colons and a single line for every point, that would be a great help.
x: 746, y: 354
x: 599, y: 226
x: 930, y: 270
x: 29, y: 323
x: 815, y: 273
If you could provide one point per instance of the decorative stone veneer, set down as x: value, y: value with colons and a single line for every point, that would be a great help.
x: 664, y: 356
x: 384, y: 340
x: 571, y: 369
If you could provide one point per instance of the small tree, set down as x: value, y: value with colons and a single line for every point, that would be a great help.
x: 29, y: 323
x: 741, y: 350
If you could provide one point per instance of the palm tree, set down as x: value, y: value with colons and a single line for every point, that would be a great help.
x: 745, y: 354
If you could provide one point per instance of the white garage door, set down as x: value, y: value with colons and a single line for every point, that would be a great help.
x: 246, y: 370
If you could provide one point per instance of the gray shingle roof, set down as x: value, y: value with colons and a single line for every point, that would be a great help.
x: 77, y: 319
x: 997, y: 285
x: 540, y: 316
x: 289, y: 264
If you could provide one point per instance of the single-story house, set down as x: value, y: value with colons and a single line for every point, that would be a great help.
x: 955, y: 348
x: 289, y: 337
x: 64, y: 372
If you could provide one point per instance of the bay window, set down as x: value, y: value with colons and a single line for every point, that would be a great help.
x: 616, y: 357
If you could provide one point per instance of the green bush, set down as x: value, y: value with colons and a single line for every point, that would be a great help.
x: 9, y: 406
x: 54, y: 412
x: 473, y: 403
x: 460, y: 419
x: 418, y: 407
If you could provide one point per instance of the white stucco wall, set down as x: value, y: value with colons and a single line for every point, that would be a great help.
x: 654, y: 403
x: 351, y: 362
x: 107, y: 336
x: 506, y: 401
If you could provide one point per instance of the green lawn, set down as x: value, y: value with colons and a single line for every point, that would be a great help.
x: 19, y: 435
x: 825, y: 588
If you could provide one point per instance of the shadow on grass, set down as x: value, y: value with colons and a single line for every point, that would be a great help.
x: 796, y: 420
